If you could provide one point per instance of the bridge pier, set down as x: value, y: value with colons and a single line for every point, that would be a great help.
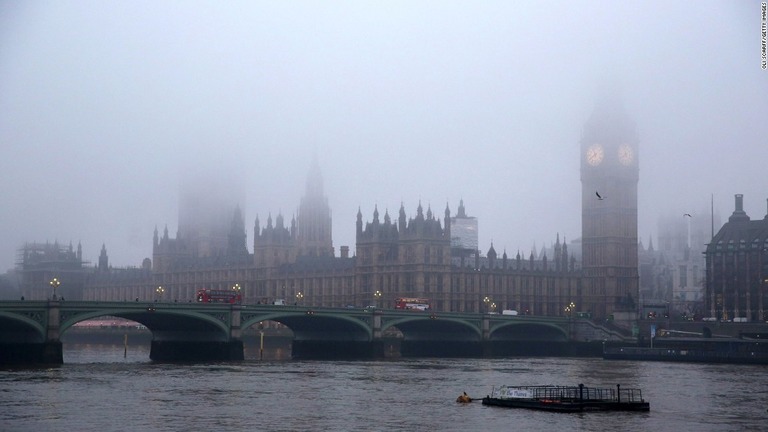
x: 337, y: 349
x: 49, y: 352
x: 442, y: 348
x: 194, y: 351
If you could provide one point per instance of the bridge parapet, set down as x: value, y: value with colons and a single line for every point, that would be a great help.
x: 213, y: 331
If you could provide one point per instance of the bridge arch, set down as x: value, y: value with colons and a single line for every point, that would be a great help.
x: 165, y: 324
x: 16, y: 327
x: 527, y: 331
x: 317, y: 325
x: 430, y: 327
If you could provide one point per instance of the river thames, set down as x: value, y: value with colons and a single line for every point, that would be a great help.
x: 98, y: 389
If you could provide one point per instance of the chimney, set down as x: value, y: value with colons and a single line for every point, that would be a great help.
x: 344, y: 251
x: 738, y: 214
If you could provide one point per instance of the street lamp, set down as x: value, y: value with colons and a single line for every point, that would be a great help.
x: 487, y: 301
x: 160, y: 290
x: 765, y: 283
x: 299, y: 296
x: 570, y: 309
x: 54, y: 284
x: 236, y: 288
x: 377, y: 296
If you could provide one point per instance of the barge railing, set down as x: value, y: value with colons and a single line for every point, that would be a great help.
x: 579, y: 393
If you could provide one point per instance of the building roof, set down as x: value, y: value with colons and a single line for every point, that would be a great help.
x: 740, y: 232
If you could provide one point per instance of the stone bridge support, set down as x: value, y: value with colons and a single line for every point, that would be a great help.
x: 31, y: 335
x: 52, y: 352
x: 195, y: 351
x: 180, y: 349
x: 375, y: 347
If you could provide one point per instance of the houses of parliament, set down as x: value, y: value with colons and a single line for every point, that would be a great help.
x: 429, y: 254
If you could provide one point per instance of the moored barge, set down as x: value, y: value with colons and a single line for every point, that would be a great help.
x: 567, y: 398
x: 696, y: 350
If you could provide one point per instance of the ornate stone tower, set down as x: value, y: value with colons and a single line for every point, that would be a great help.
x: 609, y: 176
x: 314, y: 236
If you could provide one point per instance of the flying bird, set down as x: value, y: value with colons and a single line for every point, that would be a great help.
x: 598, y: 195
x: 686, y: 214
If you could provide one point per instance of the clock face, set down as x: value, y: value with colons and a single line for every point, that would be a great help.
x: 626, y: 155
x: 595, y: 154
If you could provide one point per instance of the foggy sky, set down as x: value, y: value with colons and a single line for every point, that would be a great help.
x: 106, y: 106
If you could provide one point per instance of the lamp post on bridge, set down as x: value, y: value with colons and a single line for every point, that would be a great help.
x: 299, y: 296
x: 159, y: 291
x: 763, y: 315
x: 237, y: 288
x: 487, y: 301
x: 569, y: 312
x: 54, y: 284
x: 376, y: 296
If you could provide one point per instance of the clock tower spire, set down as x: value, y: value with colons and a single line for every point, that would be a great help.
x: 609, y: 177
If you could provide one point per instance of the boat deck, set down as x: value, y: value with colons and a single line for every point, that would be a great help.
x: 567, y: 398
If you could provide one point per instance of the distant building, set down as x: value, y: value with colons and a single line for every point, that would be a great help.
x: 737, y: 268
x: 672, y: 276
x: 206, y: 208
x: 410, y: 256
x: 39, y: 263
x: 464, y: 236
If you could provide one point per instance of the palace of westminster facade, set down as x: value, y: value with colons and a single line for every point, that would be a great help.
x: 415, y: 256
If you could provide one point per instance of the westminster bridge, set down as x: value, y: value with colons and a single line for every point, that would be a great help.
x: 30, y: 331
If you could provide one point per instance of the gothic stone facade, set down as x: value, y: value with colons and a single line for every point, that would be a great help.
x: 412, y: 257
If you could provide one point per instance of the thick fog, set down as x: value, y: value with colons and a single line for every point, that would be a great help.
x: 108, y: 107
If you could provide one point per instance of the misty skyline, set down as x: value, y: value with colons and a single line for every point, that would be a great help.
x: 107, y: 108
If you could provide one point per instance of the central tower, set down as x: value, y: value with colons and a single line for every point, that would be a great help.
x: 314, y: 235
x: 609, y: 176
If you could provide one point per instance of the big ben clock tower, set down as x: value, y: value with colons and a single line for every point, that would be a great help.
x: 609, y: 175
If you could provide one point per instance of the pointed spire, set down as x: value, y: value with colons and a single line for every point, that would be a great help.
x: 401, y: 218
x: 461, y: 213
x: 314, y: 179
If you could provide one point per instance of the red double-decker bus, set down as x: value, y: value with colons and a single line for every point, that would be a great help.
x: 218, y: 296
x: 412, y: 303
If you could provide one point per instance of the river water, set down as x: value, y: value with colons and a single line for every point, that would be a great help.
x: 98, y: 389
